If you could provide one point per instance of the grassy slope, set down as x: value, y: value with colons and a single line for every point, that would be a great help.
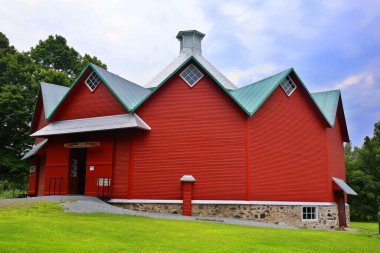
x: 44, y: 227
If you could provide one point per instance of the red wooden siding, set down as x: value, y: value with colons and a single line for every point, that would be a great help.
x: 197, y: 131
x: 285, y: 152
x: 57, y: 164
x: 41, y: 175
x: 101, y: 158
x: 288, y: 149
x: 82, y: 103
x: 32, y: 183
x: 121, y: 165
x: 335, y: 149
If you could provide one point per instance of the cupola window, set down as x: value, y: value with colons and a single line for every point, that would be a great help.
x: 288, y: 85
x: 191, y: 75
x: 93, y: 81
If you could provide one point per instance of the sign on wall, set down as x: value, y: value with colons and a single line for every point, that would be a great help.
x: 90, y: 144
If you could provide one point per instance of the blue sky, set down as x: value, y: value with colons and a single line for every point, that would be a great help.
x: 331, y: 44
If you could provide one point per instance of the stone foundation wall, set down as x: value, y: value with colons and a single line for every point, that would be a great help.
x: 276, y: 214
x: 152, y: 208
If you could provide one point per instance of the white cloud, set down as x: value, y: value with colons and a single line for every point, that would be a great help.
x: 260, y: 25
x: 134, y: 38
x: 365, y: 79
x: 245, y: 76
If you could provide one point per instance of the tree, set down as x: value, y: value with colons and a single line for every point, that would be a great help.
x: 52, y: 61
x: 5, y: 48
x: 54, y: 53
x: 363, y: 174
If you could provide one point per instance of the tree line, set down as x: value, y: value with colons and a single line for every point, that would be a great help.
x: 51, y: 60
x: 363, y: 175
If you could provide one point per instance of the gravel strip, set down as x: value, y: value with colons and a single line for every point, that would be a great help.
x: 85, y: 204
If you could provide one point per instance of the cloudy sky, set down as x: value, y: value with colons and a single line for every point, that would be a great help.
x: 331, y: 44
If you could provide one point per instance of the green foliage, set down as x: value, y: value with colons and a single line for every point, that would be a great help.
x: 44, y: 227
x: 52, y: 61
x: 5, y: 48
x: 363, y: 174
x: 54, y: 54
x: 51, y: 76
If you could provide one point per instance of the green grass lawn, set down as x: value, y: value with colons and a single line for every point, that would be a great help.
x: 44, y: 227
x: 367, y: 227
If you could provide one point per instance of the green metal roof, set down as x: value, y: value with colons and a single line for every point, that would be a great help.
x: 52, y: 94
x: 249, y: 97
x: 328, y: 103
x: 252, y: 96
x: 128, y: 93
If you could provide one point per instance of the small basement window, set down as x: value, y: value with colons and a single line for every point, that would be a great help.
x: 191, y: 75
x: 309, y: 213
x: 93, y: 81
x: 288, y: 85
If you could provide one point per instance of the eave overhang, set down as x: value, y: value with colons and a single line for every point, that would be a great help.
x: 94, y: 124
x: 343, y: 186
x: 34, y: 150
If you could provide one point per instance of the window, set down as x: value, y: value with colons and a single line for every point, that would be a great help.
x: 288, y: 85
x: 32, y: 169
x: 191, y: 75
x: 93, y: 81
x: 309, y: 213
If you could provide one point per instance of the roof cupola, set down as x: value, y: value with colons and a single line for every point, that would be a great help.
x: 190, y: 41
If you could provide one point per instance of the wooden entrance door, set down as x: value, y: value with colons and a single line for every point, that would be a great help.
x: 341, y: 209
x: 77, y: 170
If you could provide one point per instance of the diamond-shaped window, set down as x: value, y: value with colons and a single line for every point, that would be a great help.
x: 93, y: 81
x: 191, y: 75
x: 288, y: 85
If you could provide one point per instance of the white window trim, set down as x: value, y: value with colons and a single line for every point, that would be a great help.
x: 316, y: 213
x: 92, y: 90
x: 284, y: 89
x: 200, y: 78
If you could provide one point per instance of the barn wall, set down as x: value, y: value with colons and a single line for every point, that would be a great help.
x: 57, y: 164
x: 197, y: 131
x: 82, y: 103
x: 41, y: 175
x: 32, y: 180
x: 335, y: 149
x: 121, y: 162
x: 288, y: 149
x: 101, y: 157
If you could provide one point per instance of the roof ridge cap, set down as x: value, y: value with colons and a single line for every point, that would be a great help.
x: 289, y: 69
x: 148, y: 84
x: 216, y: 69
x: 92, y: 64
x: 326, y: 91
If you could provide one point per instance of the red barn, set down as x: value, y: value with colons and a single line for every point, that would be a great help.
x: 192, y: 142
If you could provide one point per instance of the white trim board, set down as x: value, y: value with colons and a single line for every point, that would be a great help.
x: 222, y: 202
